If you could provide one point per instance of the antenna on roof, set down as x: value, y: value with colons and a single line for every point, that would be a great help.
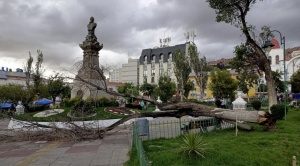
x: 190, y: 34
x: 164, y: 41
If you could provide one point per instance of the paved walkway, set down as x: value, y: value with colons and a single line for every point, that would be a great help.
x: 111, y: 150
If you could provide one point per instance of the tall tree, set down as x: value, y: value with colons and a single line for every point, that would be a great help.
x: 295, y: 82
x: 235, y: 12
x: 199, y: 66
x: 182, y: 70
x: 37, y: 75
x: 222, y: 85
x: 28, y: 70
x: 166, y: 88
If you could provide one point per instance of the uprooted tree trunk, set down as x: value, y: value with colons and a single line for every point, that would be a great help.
x: 192, y: 109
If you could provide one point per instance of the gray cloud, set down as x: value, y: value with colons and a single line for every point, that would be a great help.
x: 127, y: 27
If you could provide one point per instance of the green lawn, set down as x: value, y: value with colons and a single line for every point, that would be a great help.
x: 101, y: 114
x: 255, y: 148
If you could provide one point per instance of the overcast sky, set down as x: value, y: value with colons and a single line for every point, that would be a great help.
x: 125, y: 27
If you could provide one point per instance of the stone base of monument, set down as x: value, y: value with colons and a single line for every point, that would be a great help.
x: 83, y: 90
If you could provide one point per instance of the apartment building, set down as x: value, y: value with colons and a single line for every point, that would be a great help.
x: 158, y: 61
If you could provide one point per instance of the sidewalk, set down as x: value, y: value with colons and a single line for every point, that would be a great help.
x: 111, y: 150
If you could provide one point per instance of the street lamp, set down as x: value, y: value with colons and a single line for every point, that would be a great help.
x: 268, y: 46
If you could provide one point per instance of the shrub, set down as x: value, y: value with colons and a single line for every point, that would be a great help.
x: 83, y: 108
x: 90, y: 99
x: 278, y: 111
x: 66, y: 102
x: 256, y: 104
x: 102, y: 101
x: 133, y: 106
x: 72, y: 101
x: 193, y: 144
x: 37, y: 108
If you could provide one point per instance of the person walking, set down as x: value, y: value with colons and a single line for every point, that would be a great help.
x: 223, y: 104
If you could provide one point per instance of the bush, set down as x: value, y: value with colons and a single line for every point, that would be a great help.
x: 36, y: 108
x: 278, y: 111
x: 83, y: 108
x: 90, y: 99
x: 256, y: 104
x: 102, y: 101
x: 193, y: 144
x: 70, y: 102
x: 133, y: 106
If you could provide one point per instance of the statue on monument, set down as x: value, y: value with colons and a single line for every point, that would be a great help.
x: 91, y: 27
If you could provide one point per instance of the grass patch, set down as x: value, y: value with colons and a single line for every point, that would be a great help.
x: 253, y: 148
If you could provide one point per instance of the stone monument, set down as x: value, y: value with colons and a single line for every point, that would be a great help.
x: 90, y: 70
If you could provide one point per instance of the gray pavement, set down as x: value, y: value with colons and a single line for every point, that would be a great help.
x: 111, y: 150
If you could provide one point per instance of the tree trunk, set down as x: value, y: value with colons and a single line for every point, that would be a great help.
x: 186, y: 108
x: 272, y: 95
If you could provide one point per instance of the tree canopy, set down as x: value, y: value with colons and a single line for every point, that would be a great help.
x: 222, y: 85
x: 147, y: 88
x: 295, y: 82
x: 166, y: 88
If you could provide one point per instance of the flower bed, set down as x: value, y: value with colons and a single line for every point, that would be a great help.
x: 119, y: 111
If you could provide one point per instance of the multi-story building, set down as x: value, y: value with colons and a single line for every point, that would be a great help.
x: 128, y: 73
x: 158, y: 61
x: 115, y: 75
x: 292, y: 60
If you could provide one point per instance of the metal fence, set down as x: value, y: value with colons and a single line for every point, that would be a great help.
x: 144, y: 129
x: 137, y: 142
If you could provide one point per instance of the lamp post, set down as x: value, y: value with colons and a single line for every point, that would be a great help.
x: 268, y: 46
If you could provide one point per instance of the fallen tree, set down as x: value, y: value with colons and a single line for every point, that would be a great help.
x: 178, y: 110
x: 194, y: 109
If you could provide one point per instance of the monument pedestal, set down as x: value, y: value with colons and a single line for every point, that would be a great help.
x: 83, y: 90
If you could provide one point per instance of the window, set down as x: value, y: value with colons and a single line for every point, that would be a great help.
x: 277, y: 59
x: 145, y: 72
x: 153, y: 57
x: 145, y: 58
x: 152, y: 79
x: 270, y: 59
x: 170, y: 55
x: 152, y: 72
x: 161, y: 57
x: 145, y: 79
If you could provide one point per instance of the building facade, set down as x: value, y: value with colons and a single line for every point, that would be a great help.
x: 7, y: 76
x: 129, y: 72
x: 292, y: 60
x: 115, y: 75
x: 195, y: 94
x: 156, y: 62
